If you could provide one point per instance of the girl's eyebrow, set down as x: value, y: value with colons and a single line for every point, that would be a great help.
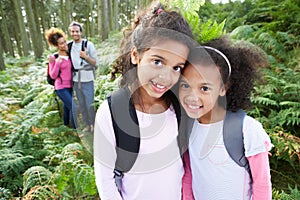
x: 162, y: 58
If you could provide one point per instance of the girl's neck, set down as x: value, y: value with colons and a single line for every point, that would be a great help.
x: 62, y: 53
x: 215, y: 115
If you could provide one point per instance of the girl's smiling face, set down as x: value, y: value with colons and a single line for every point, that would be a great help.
x: 199, y: 90
x: 62, y: 44
x: 159, y: 67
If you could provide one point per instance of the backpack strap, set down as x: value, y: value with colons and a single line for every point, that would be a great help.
x: 126, y: 128
x: 124, y: 120
x: 69, y: 50
x: 234, y: 138
x: 83, y: 46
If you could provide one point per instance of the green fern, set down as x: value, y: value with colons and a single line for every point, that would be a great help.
x: 264, y: 101
x: 12, y: 161
x: 74, y: 172
x: 12, y: 164
x: 243, y: 32
x: 294, y: 194
x: 36, y: 176
x: 42, y: 192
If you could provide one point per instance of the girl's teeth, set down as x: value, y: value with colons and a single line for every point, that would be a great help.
x: 194, y: 107
x: 159, y: 86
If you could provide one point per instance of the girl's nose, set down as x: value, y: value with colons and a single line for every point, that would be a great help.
x: 193, y: 97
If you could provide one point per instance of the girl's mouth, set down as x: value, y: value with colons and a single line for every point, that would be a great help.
x: 193, y: 108
x: 158, y: 87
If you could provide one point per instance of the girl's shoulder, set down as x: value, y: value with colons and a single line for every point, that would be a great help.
x: 256, y: 140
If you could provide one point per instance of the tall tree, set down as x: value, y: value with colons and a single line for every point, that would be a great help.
x: 6, y: 42
x: 21, y: 28
x: 44, y: 24
x: 68, y: 14
x: 2, y: 64
x: 116, y: 14
x: 102, y: 20
x: 110, y: 16
x: 34, y: 33
x: 36, y: 11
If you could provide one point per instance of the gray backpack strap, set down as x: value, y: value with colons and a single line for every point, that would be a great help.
x: 234, y: 139
x: 127, y: 133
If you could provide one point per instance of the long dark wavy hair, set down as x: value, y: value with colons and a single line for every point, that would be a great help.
x: 149, y: 27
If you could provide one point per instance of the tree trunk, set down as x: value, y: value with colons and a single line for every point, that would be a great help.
x: 63, y: 14
x: 109, y: 15
x: 2, y: 64
x: 116, y: 14
x: 102, y: 20
x: 106, y: 19
x: 34, y: 33
x: 21, y: 27
x: 139, y: 4
x: 44, y: 25
x: 6, y: 43
x: 87, y: 29
x: 36, y: 11
x: 68, y: 15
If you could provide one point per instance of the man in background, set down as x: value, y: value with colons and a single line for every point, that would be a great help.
x: 84, y: 60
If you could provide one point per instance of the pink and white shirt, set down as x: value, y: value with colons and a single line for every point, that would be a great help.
x: 216, y: 176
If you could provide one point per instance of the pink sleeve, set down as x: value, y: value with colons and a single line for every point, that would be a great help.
x: 187, y: 192
x: 260, y: 170
x: 54, y: 69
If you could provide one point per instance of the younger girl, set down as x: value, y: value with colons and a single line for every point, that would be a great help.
x: 217, y: 72
x: 152, y: 55
x: 61, y: 71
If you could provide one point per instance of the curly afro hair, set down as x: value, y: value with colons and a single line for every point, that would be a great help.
x: 53, y: 34
x: 245, y: 60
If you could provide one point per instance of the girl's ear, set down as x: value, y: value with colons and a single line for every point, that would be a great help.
x: 134, y: 56
x: 224, y: 89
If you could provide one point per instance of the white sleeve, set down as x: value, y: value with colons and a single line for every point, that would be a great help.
x: 92, y: 52
x: 105, y: 154
x: 256, y: 140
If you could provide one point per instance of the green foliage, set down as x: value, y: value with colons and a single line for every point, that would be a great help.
x: 107, y: 55
x: 206, y: 31
x: 282, y: 195
x: 12, y: 164
x: 4, y: 194
x: 42, y: 192
x: 286, y: 147
x: 32, y: 134
x: 74, y: 172
x: 36, y: 176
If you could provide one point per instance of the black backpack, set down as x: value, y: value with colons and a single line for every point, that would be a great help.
x: 50, y: 80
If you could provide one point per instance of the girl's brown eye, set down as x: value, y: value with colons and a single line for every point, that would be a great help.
x: 177, y: 68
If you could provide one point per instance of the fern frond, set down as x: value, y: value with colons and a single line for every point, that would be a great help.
x: 84, y: 178
x: 291, y: 116
x: 265, y: 101
x: 12, y: 160
x: 242, y: 32
x: 36, y: 176
x: 42, y: 192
